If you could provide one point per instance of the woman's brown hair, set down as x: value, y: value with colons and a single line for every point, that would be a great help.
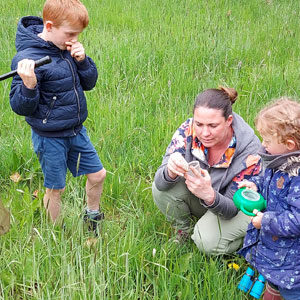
x: 221, y: 99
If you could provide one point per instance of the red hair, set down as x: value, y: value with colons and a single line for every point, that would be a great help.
x: 71, y: 11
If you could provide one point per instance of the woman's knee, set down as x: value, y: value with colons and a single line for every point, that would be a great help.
x: 198, y: 240
x: 158, y: 199
x: 206, y: 242
x: 211, y: 242
x: 162, y: 199
x: 155, y: 193
x: 177, y: 193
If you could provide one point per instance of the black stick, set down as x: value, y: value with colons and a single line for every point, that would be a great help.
x: 37, y: 63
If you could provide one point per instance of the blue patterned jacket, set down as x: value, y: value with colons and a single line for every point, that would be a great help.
x: 274, y: 250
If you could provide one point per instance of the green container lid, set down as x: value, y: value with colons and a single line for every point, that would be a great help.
x: 247, y: 200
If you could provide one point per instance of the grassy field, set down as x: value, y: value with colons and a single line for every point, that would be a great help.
x: 153, y: 58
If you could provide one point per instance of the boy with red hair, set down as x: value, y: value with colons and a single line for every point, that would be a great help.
x: 53, y: 102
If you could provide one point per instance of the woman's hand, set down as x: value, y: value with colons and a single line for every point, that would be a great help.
x: 256, y: 221
x: 177, y: 165
x: 248, y: 184
x: 200, y: 185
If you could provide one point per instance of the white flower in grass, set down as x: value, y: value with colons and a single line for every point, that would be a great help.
x: 153, y: 252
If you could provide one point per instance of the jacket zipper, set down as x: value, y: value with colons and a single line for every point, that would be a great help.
x: 50, y: 109
x: 74, y: 83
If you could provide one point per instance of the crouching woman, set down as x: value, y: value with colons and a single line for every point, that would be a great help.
x: 225, y: 147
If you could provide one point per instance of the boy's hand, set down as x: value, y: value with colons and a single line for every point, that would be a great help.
x: 25, y: 70
x: 76, y: 49
x: 256, y: 221
x: 247, y: 184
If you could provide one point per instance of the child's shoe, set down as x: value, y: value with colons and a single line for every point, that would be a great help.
x: 271, y: 293
x: 93, y: 218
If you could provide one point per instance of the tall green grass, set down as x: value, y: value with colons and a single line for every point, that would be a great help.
x: 153, y: 58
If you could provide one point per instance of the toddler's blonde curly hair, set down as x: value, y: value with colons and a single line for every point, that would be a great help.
x: 281, y: 120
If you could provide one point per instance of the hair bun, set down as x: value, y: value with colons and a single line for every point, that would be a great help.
x: 231, y: 92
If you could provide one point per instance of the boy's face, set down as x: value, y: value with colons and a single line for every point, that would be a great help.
x: 62, y: 34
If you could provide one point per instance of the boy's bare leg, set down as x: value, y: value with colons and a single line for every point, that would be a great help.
x: 52, y: 202
x: 94, y: 188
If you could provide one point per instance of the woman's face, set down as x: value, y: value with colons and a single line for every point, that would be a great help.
x: 211, y: 127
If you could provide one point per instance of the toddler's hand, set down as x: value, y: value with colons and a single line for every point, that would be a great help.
x: 247, y: 184
x: 25, y: 70
x: 256, y: 221
x: 177, y: 165
x: 76, y: 49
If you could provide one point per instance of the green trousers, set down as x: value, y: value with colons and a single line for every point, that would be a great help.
x: 211, y: 234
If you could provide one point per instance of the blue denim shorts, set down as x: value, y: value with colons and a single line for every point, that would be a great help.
x: 56, y: 155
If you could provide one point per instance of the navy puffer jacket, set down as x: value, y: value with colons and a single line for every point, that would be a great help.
x: 57, y: 106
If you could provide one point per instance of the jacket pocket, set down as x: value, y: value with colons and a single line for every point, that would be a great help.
x: 45, y: 120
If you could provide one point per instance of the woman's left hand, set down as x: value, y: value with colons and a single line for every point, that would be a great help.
x: 200, y: 185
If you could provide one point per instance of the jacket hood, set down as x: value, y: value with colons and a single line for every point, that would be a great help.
x: 245, y: 135
x: 287, y: 162
x: 27, y: 33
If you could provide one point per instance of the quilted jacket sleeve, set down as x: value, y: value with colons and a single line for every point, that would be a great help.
x: 23, y: 101
x: 87, y: 72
